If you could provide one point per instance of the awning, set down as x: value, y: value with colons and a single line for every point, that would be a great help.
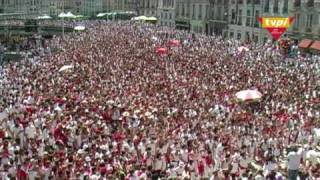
x: 305, y: 43
x: 315, y: 45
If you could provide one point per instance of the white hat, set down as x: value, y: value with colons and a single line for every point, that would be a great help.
x: 88, y: 159
x: 80, y: 151
x: 126, y: 114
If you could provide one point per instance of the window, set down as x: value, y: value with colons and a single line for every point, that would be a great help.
x: 240, y: 17
x: 193, y: 10
x: 170, y: 16
x: 188, y: 9
x: 256, y: 1
x: 239, y: 36
x: 248, y: 1
x: 310, y: 3
x: 248, y: 19
x: 297, y: 3
x: 309, y: 20
x: 233, y: 16
x: 200, y: 11
x: 276, y: 6
x: 182, y: 10
x: 247, y: 37
x: 207, y: 11
x: 266, y: 6
x: 219, y: 14
x: 231, y: 36
x: 285, y: 6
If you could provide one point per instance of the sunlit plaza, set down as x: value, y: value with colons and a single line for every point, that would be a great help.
x: 160, y: 89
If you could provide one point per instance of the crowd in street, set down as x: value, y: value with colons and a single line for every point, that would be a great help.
x: 122, y: 110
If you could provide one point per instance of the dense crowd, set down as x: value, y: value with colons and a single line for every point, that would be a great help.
x: 123, y: 111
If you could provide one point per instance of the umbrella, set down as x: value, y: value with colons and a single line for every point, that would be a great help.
x: 243, y: 48
x: 162, y: 51
x: 65, y: 67
x: 174, y: 42
x: 248, y: 95
x: 79, y: 28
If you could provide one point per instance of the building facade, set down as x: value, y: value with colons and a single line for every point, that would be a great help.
x: 166, y: 12
x: 28, y: 7
x: 182, y: 15
x: 218, y: 17
x: 243, y: 17
x: 307, y: 19
x: 199, y: 10
x: 148, y: 7
x: 92, y: 7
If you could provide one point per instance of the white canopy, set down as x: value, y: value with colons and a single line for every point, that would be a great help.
x: 144, y: 18
x: 68, y: 15
x: 101, y: 14
x: 79, y: 28
x: 44, y: 17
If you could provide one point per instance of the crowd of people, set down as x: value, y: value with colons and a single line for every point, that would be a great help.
x: 123, y: 111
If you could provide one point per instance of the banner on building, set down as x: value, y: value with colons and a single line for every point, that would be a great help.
x: 276, y: 25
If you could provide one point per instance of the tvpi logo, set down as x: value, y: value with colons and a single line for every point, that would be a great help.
x: 276, y: 25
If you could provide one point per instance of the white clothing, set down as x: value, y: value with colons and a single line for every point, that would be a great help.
x: 294, y: 160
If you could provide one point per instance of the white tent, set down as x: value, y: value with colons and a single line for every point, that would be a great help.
x: 68, y: 15
x: 62, y: 15
x: 44, y: 17
x: 101, y: 14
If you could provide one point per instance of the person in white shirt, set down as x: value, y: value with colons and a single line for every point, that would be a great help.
x: 294, y: 158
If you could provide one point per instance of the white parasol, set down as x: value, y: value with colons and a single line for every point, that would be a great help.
x: 248, y: 95
x: 65, y: 67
